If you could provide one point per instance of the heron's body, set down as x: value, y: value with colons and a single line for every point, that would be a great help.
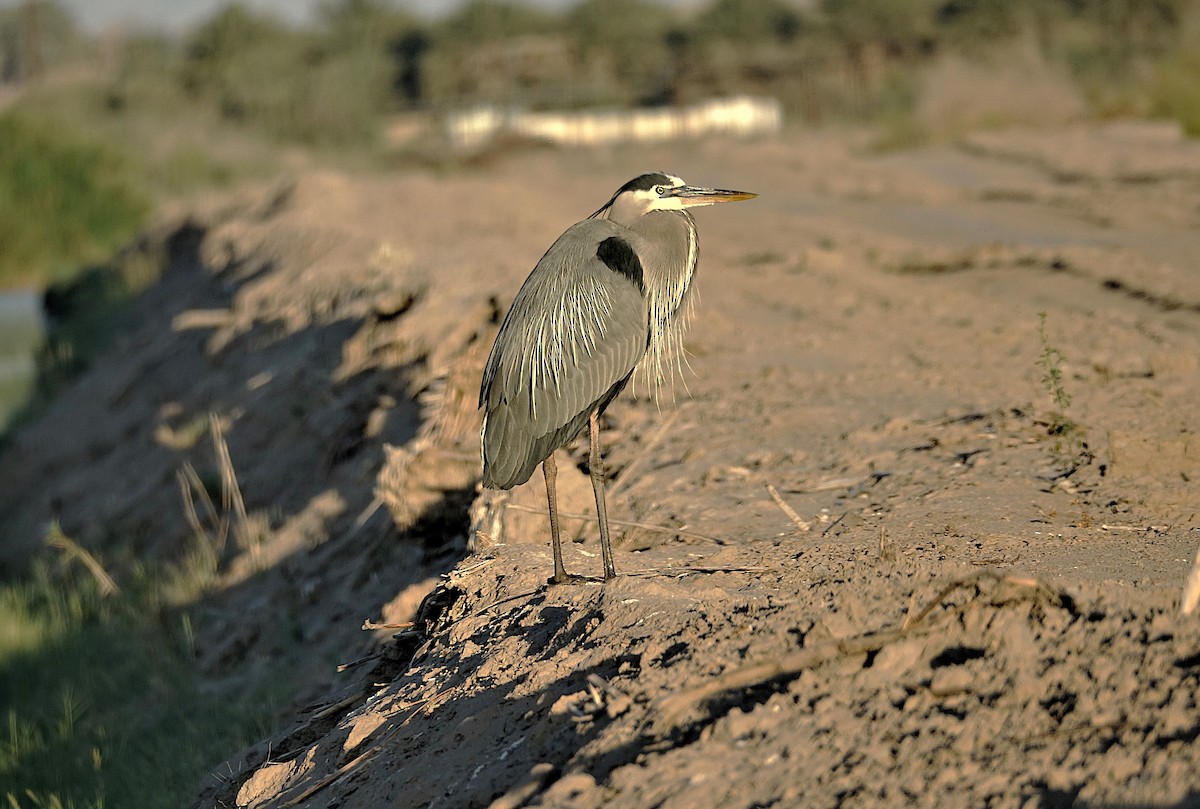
x: 609, y: 292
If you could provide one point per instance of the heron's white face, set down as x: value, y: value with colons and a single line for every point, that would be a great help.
x: 659, y: 191
x: 660, y: 197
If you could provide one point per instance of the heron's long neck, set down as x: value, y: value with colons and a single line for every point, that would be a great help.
x: 669, y: 250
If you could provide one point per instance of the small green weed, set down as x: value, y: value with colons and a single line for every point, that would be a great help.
x: 1070, y: 449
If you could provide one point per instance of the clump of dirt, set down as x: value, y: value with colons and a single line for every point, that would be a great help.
x: 868, y: 556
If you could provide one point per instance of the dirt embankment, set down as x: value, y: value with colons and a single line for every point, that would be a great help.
x: 970, y: 599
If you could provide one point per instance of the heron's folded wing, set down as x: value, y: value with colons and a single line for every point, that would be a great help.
x: 576, y: 328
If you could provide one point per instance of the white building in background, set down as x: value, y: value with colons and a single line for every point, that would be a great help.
x: 740, y: 116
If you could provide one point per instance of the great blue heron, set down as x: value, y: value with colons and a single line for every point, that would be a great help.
x: 610, y: 293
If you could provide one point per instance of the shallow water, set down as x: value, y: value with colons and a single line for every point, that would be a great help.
x: 21, y: 330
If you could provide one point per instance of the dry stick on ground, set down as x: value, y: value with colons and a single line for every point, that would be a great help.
x: 190, y: 486
x: 335, y: 707
x: 369, y: 624
x: 680, y: 572
x: 1191, y: 588
x: 788, y: 510
x: 671, y: 708
x: 231, y: 492
x: 55, y: 538
x: 835, y: 523
x: 341, y: 667
x: 662, y: 529
x: 887, y: 550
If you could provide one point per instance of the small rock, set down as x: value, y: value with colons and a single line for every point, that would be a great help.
x: 617, y: 705
x: 1162, y: 627
x: 1121, y: 764
x: 361, y: 729
x: 563, y: 704
x: 839, y: 625
x: 519, y: 795
x: 897, y: 658
x: 740, y: 724
x: 952, y: 680
x: 568, y: 788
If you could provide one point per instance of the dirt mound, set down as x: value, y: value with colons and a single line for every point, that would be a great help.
x: 778, y: 673
x: 915, y: 532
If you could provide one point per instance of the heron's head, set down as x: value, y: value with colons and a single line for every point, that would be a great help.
x: 657, y: 191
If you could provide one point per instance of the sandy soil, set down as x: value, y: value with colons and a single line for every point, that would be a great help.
x: 970, y: 598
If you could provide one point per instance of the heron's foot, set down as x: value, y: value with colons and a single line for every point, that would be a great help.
x: 568, y: 578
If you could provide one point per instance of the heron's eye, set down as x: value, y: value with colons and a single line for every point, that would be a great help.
x: 660, y: 190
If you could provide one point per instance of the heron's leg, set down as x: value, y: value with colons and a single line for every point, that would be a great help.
x: 550, y: 471
x: 610, y: 572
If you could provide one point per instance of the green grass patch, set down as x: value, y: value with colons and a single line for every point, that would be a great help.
x: 1176, y: 89
x: 104, y: 704
x: 63, y: 201
x: 1069, y: 446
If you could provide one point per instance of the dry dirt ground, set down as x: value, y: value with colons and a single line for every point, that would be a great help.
x: 876, y: 563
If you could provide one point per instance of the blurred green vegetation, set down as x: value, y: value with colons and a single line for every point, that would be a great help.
x: 95, y: 133
x: 1176, y: 83
x: 104, y: 702
x: 64, y: 200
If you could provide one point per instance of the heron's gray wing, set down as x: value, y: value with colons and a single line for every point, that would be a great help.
x: 576, y: 330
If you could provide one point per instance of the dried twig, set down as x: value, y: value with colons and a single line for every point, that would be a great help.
x: 791, y: 665
x: 189, y: 504
x: 788, y: 510
x: 1191, y: 589
x: 369, y: 624
x: 464, y: 570
x: 55, y: 538
x: 911, y: 620
x: 190, y: 488
x: 231, y: 492
x: 247, y: 534
x: 335, y: 707
x: 998, y: 560
x: 353, y: 664
x: 835, y: 523
x: 515, y: 596
x: 680, y: 572
x: 786, y: 667
x: 826, y: 486
x: 887, y: 550
x: 661, y: 529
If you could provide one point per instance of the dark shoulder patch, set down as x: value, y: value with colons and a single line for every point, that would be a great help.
x: 619, y: 257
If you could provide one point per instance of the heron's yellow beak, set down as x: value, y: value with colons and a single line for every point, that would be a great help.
x: 692, y: 196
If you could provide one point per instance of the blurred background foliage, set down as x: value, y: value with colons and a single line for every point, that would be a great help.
x: 138, y: 118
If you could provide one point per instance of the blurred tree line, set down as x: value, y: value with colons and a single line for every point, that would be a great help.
x: 332, y: 82
x: 214, y: 104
